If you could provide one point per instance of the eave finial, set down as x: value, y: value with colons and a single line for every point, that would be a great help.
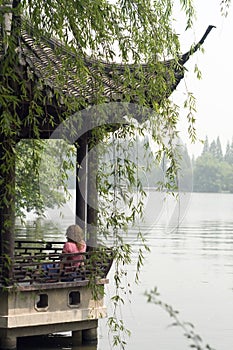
x: 186, y: 56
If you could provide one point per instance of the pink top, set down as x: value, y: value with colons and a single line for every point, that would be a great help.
x: 71, y: 247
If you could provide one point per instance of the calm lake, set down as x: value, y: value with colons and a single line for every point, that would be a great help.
x: 190, y: 263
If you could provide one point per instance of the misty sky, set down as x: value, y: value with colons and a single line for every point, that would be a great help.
x: 214, y: 91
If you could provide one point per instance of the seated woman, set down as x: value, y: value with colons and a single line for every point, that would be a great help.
x: 74, y: 244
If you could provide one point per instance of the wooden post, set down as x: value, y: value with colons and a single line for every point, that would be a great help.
x: 92, y: 195
x: 77, y: 337
x: 8, y: 342
x: 90, y: 335
x: 86, y: 192
x: 81, y: 181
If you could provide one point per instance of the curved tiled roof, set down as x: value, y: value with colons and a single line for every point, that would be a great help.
x: 42, y: 62
x: 43, y: 54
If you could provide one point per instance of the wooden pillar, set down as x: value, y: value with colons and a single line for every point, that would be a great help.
x: 86, y: 187
x: 77, y: 337
x: 7, y: 206
x: 81, y: 181
x: 92, y: 195
x: 90, y: 335
x: 8, y: 342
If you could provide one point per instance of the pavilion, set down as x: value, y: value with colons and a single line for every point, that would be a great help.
x: 40, y: 63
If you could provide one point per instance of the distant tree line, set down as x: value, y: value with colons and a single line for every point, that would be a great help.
x: 155, y: 174
x: 213, y: 169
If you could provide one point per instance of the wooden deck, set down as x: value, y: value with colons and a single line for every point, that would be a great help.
x: 43, y: 262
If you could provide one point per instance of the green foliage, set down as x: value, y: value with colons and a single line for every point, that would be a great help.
x: 206, y: 146
x: 190, y: 104
x: 207, y: 174
x: 219, y: 154
x: 134, y: 26
x: 42, y: 169
x: 119, y: 332
x: 229, y: 153
x: 224, y: 6
x: 213, y: 170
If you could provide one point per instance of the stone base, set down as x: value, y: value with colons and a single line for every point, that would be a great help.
x: 82, y: 332
x: 49, y: 310
x: 89, y: 335
x: 8, y: 342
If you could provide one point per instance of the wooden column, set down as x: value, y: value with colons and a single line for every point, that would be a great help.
x: 81, y: 180
x: 92, y: 195
x: 86, y: 187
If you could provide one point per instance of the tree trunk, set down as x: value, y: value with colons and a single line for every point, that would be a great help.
x: 7, y: 207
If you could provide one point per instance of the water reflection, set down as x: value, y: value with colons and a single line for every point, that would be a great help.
x: 40, y: 229
x: 51, y: 342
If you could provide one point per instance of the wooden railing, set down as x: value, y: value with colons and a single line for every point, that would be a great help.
x: 44, y: 262
x: 37, y: 247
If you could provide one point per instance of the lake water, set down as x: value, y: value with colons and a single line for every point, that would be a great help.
x: 190, y: 263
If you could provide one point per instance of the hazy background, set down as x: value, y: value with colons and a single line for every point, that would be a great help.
x: 214, y: 91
